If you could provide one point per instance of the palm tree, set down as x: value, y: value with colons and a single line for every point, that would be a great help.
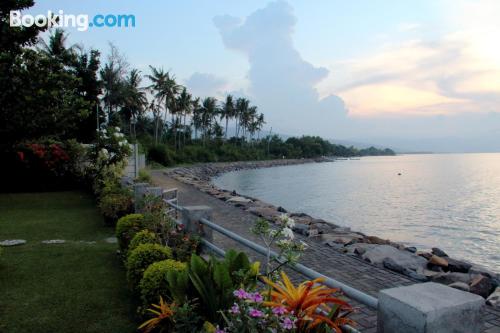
x: 196, y: 119
x: 241, y: 109
x: 227, y: 112
x: 134, y: 97
x: 260, y: 124
x: 209, y: 111
x: 165, y: 89
x: 56, y: 47
x: 184, y: 106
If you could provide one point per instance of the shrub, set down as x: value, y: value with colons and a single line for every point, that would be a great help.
x: 115, y: 205
x: 160, y: 154
x: 154, y: 281
x: 141, y: 257
x: 126, y: 228
x: 143, y: 237
x: 143, y: 177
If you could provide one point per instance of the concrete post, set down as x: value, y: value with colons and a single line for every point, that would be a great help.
x: 429, y: 308
x: 139, y: 192
x: 154, y: 191
x: 190, y: 217
x: 136, y: 160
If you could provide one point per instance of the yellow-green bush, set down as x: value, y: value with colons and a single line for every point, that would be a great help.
x: 127, y: 227
x: 143, y: 237
x: 154, y: 281
x: 115, y: 205
x: 141, y: 257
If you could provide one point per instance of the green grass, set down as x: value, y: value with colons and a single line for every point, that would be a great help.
x: 72, y: 287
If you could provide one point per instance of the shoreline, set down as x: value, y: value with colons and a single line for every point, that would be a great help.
x: 423, y: 266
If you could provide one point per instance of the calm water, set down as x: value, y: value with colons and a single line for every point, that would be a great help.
x: 451, y: 200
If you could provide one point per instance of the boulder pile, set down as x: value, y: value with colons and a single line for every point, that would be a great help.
x: 432, y: 265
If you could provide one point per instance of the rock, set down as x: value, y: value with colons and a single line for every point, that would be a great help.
x: 391, y: 264
x: 449, y: 278
x: 323, y: 228
x: 238, y: 200
x: 460, y: 286
x: 376, y: 240
x: 411, y: 249
x: 267, y: 213
x: 359, y: 248
x: 379, y: 253
x: 302, y: 229
x: 423, y: 254
x: 12, y: 242
x: 438, y: 252
x: 54, y: 241
x: 429, y: 273
x: 359, y: 251
x: 458, y: 266
x: 111, y: 240
x: 437, y: 261
x: 494, y: 299
x: 342, y: 238
x: 481, y: 285
x: 282, y: 210
x: 416, y: 275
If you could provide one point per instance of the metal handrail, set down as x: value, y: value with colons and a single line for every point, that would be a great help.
x: 310, y: 273
x: 351, y: 292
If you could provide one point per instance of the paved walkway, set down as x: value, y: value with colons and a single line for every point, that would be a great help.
x: 350, y: 270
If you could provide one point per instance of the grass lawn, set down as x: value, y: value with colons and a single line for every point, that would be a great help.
x: 72, y: 287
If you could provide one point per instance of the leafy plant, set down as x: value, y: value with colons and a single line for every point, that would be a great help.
x: 126, y: 227
x: 162, y: 320
x: 141, y: 257
x: 315, y: 305
x: 213, y: 280
x: 143, y: 237
x: 115, y: 205
x: 283, y: 237
x: 154, y: 281
x: 143, y: 177
x: 182, y: 243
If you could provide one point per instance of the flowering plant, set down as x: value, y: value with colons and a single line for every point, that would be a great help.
x: 249, y: 314
x: 281, y: 237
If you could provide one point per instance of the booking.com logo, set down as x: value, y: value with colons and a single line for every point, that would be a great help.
x: 82, y: 22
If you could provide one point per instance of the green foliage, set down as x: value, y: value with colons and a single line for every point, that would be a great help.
x: 126, y: 228
x: 141, y: 257
x: 143, y: 237
x: 115, y: 205
x: 154, y: 281
x: 212, y: 282
x: 143, y: 177
x: 161, y: 154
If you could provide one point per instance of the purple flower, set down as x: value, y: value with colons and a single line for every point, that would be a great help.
x: 218, y: 330
x: 235, y: 309
x: 279, y: 311
x: 256, y: 297
x: 255, y: 313
x: 288, y: 324
x: 241, y: 294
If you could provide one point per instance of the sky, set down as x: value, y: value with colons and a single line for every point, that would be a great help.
x: 412, y: 75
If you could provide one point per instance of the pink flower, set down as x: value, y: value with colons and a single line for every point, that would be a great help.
x: 256, y: 297
x: 255, y: 313
x: 279, y: 311
x: 288, y: 324
x: 235, y: 309
x: 241, y: 294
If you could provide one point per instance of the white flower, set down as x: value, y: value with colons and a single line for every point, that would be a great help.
x: 273, y: 233
x: 120, y: 143
x: 283, y: 242
x: 103, y: 130
x: 288, y: 233
x: 117, y: 128
x: 104, y: 151
x: 117, y: 135
x: 290, y: 223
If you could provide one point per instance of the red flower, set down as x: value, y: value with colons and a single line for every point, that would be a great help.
x: 20, y: 154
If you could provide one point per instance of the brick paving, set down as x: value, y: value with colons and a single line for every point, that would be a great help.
x: 342, y: 267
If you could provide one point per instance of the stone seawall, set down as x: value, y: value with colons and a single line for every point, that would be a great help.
x: 434, y: 265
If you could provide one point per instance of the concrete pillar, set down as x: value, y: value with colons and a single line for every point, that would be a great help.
x: 429, y: 308
x: 154, y: 191
x: 190, y: 217
x: 139, y: 192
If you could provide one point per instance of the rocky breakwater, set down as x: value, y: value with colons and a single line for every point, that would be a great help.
x: 432, y: 265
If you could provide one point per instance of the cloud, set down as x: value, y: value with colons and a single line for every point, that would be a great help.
x: 204, y: 85
x: 281, y: 83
